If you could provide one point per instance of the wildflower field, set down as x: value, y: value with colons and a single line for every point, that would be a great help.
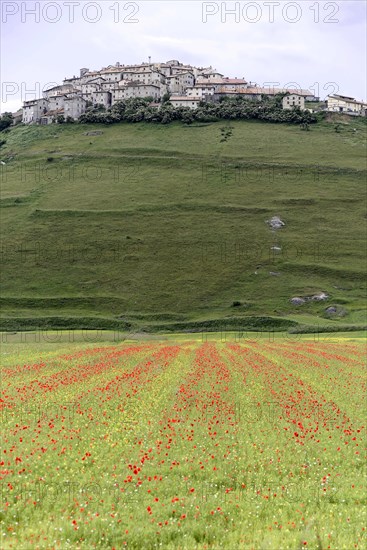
x: 185, y: 443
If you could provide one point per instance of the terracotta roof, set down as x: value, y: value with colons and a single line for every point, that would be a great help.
x: 199, y: 86
x: 299, y: 92
x: 249, y: 91
x: 54, y: 112
x: 56, y: 88
x: 216, y: 80
x: 74, y: 96
x: 347, y: 99
x: 182, y: 70
x: 203, y: 85
x: 209, y: 72
x: 234, y: 81
x: 31, y: 102
x: 140, y: 72
x: 200, y: 81
x: 264, y: 91
x: 103, y: 71
x: 137, y: 84
x: 97, y: 78
x: 178, y: 75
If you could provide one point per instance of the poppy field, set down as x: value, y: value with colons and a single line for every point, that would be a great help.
x: 185, y: 443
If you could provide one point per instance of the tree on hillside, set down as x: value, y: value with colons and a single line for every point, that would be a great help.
x: 166, y: 97
x: 278, y: 99
x: 6, y: 120
x: 138, y: 109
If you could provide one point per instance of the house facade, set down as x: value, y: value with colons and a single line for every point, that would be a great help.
x: 178, y: 83
x: 292, y: 101
x: 17, y: 117
x: 345, y: 104
x: 200, y: 90
x: 74, y: 106
x: 185, y: 101
x: 128, y: 90
x: 33, y: 110
x: 50, y: 116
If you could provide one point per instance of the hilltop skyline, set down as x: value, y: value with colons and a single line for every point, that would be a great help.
x: 263, y: 46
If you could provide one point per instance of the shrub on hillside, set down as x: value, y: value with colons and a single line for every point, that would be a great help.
x: 6, y: 120
x: 139, y: 110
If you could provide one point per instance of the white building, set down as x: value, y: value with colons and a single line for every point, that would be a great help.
x: 345, y: 104
x: 130, y: 89
x: 233, y: 84
x: 185, y: 101
x: 179, y: 82
x: 292, y: 101
x: 56, y: 102
x: 43, y: 111
x: 94, y: 84
x: 208, y: 75
x: 59, y: 90
x: 33, y: 110
x: 74, y: 106
x: 50, y: 116
x: 17, y: 117
x: 99, y: 97
x: 201, y: 90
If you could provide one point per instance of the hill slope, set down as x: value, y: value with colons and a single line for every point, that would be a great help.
x: 167, y: 224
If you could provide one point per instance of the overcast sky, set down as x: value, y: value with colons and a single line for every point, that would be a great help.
x: 320, y: 46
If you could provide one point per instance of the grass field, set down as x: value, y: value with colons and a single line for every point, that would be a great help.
x: 164, y: 227
x: 230, y: 441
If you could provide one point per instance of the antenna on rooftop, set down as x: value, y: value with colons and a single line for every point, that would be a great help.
x: 150, y: 60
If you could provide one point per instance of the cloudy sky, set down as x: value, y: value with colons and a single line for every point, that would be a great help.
x: 320, y: 45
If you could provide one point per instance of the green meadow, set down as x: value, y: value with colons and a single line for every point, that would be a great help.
x: 163, y: 227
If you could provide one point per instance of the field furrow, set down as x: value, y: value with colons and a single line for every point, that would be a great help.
x: 185, y: 444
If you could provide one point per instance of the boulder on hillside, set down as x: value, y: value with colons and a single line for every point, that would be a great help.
x: 333, y: 311
x: 297, y: 301
x: 320, y: 297
x: 275, y: 223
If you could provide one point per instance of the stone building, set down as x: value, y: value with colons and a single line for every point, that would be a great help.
x: 292, y: 101
x: 34, y: 109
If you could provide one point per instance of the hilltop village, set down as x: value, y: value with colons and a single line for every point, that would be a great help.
x: 185, y: 85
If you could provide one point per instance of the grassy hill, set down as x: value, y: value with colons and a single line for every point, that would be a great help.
x: 155, y: 226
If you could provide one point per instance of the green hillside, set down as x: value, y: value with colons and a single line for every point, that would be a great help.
x: 164, y: 226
